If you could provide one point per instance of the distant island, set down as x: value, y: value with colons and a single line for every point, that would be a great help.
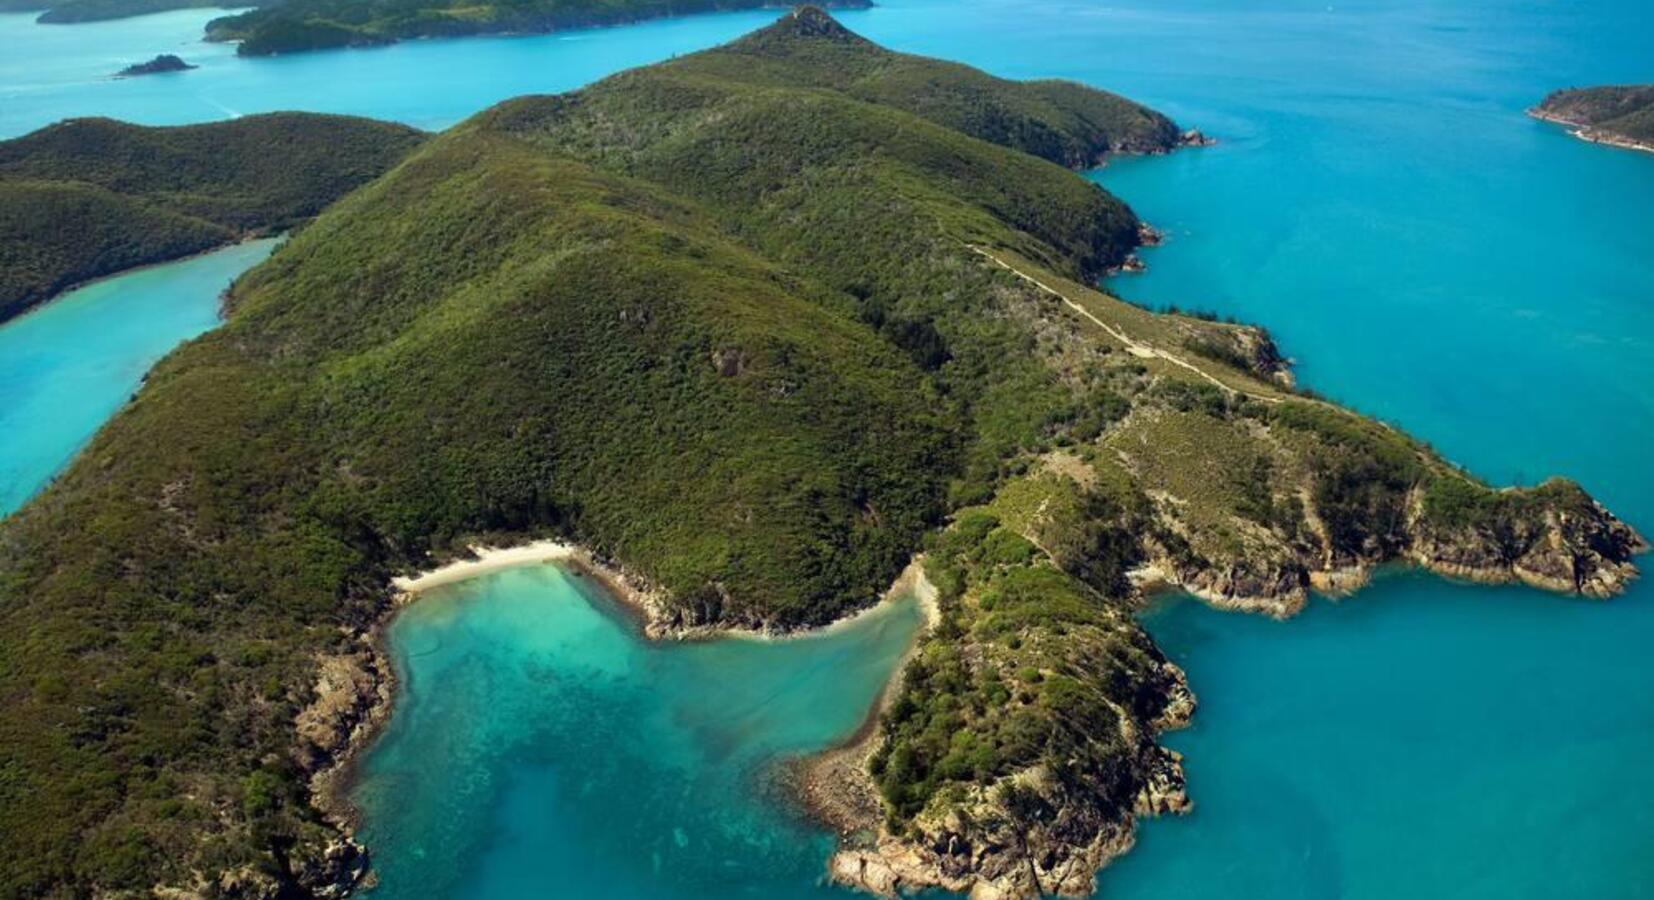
x: 297, y: 25
x: 755, y: 328
x: 165, y: 62
x: 1620, y: 116
x: 74, y: 11
x: 293, y: 26
x: 90, y: 197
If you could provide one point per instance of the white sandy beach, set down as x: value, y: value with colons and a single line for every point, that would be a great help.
x: 488, y: 560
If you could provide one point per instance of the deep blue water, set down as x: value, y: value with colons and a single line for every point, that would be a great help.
x: 1379, y: 201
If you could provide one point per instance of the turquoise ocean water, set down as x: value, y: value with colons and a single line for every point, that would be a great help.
x: 540, y: 749
x: 1424, y: 251
x: 67, y: 366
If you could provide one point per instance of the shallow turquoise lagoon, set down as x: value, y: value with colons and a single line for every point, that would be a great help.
x: 1426, y: 252
x: 67, y: 366
x: 540, y: 749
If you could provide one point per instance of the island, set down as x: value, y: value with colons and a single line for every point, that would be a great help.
x: 165, y: 62
x: 73, y: 11
x: 1619, y: 116
x: 754, y: 331
x: 292, y: 26
x: 87, y: 198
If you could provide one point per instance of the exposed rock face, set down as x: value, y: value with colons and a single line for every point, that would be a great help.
x: 335, y: 872
x: 1193, y: 138
x: 348, y: 688
x: 1263, y: 357
x: 1277, y: 588
x: 1050, y: 839
x: 1577, y: 549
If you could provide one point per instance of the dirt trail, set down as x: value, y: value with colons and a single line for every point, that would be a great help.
x: 1132, y: 345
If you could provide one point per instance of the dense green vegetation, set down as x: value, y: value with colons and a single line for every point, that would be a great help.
x: 1624, y: 112
x: 735, y: 322
x: 90, y: 197
x: 292, y: 26
x: 1031, y: 665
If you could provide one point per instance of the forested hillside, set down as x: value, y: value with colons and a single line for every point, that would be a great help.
x: 90, y: 197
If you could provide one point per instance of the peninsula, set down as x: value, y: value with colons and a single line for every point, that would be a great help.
x: 1620, y: 116
x: 757, y: 326
x: 87, y: 198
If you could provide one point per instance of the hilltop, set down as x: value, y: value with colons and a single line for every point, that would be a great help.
x: 87, y: 198
x: 1622, y: 116
x: 755, y: 325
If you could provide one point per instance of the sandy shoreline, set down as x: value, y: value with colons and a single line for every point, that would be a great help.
x: 487, y: 561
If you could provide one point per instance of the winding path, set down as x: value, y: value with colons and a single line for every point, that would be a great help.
x: 1133, y: 346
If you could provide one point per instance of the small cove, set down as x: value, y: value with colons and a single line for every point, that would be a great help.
x: 539, y: 746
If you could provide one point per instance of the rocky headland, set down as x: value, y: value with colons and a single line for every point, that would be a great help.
x: 1618, y: 116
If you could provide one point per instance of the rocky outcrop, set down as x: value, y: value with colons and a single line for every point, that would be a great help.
x: 1194, y: 138
x: 1277, y: 588
x: 1038, y: 834
x: 1572, y: 546
x: 1555, y: 538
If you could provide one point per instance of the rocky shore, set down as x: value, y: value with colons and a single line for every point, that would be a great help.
x: 1615, y: 116
x: 1593, y: 135
x: 975, y: 847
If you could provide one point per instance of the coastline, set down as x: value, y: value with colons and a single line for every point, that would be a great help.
x: 1591, y: 135
x: 355, y: 693
x: 485, y: 560
x: 70, y: 288
x: 832, y: 786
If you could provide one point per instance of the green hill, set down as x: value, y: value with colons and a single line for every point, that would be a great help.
x: 1622, y: 114
x: 757, y: 335
x: 90, y: 197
